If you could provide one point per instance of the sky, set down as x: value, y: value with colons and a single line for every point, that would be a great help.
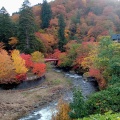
x: 13, y: 5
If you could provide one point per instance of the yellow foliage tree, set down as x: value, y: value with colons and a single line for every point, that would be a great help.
x: 18, y: 62
x: 37, y: 56
x: 7, y: 71
x: 63, y: 110
x: 13, y: 41
x: 48, y: 40
x: 89, y: 60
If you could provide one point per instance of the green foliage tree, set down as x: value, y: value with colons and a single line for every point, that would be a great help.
x: 6, y: 27
x: 105, y: 100
x: 107, y: 116
x: 46, y: 14
x: 61, y: 32
x: 78, y: 106
x: 108, y: 59
x: 67, y: 59
x: 27, y: 40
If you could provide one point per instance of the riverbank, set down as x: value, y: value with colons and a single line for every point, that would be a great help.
x: 14, y: 104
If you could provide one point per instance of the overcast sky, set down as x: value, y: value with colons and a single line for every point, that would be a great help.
x: 14, y: 5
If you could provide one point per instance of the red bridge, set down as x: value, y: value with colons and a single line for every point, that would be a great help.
x: 50, y: 60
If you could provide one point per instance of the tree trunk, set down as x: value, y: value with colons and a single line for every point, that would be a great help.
x: 27, y: 40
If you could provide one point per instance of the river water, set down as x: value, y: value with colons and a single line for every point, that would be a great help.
x: 45, y: 113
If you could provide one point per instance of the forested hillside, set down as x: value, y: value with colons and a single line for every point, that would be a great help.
x: 85, y: 20
x: 77, y: 33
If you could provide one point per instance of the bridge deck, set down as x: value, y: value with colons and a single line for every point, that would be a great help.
x: 49, y: 60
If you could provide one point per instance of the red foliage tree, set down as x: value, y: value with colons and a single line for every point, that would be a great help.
x: 21, y: 77
x: 39, y: 68
x: 56, y: 53
x: 28, y: 60
x: 97, y: 74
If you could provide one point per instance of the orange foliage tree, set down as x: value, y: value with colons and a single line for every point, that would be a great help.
x: 58, y: 9
x: 36, y: 11
x: 39, y: 69
x: 63, y: 111
x: 55, y: 55
x: 48, y: 39
x: 54, y: 22
x: 7, y: 69
x: 15, y: 17
x: 13, y: 41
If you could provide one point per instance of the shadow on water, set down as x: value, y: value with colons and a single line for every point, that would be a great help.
x: 23, y: 84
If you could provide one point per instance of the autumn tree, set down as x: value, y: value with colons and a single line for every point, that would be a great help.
x: 37, y: 56
x: 48, y: 41
x: 39, y: 69
x: 27, y: 41
x: 7, y: 69
x: 28, y: 60
x: 63, y: 111
x: 13, y: 41
x: 58, y: 9
x: 36, y: 11
x: 61, y: 31
x: 18, y: 62
x: 46, y: 14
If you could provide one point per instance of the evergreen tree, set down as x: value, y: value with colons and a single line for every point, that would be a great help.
x: 6, y: 27
x: 27, y: 41
x: 46, y: 14
x: 61, y: 36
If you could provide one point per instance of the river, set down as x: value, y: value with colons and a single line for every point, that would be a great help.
x: 45, y: 113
